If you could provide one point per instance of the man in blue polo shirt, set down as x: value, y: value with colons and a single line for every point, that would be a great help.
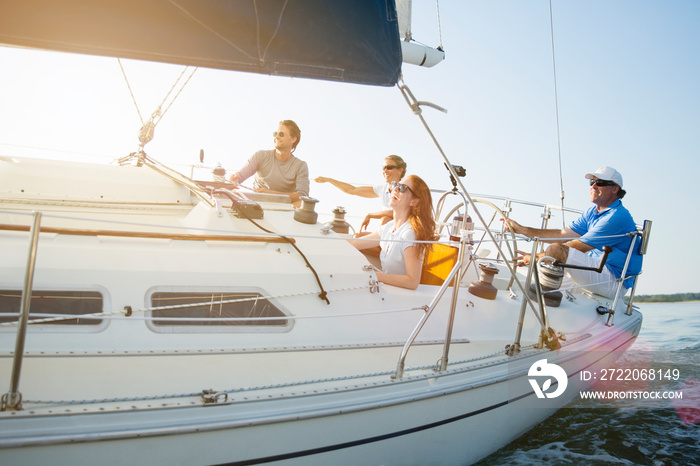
x: 606, y: 223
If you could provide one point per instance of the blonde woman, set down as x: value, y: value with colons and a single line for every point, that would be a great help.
x: 394, y: 169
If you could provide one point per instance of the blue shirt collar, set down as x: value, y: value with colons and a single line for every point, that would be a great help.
x: 615, y: 204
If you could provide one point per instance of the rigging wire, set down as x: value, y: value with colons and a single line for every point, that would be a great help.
x: 556, y: 107
x: 148, y: 127
x: 157, y: 111
x: 439, y: 24
x: 119, y: 60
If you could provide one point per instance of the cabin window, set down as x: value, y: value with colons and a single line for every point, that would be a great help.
x: 233, y: 310
x: 60, y: 305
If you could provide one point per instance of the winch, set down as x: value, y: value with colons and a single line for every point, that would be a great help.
x: 484, y: 287
x: 306, y: 213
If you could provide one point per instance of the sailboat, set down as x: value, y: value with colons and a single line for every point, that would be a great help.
x: 127, y: 337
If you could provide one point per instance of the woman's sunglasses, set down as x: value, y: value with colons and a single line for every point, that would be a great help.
x: 402, y: 187
x: 603, y: 183
x: 389, y: 167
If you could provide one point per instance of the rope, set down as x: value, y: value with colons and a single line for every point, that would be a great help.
x: 175, y: 175
x: 62, y: 317
x: 147, y: 128
x: 176, y: 95
x: 234, y: 203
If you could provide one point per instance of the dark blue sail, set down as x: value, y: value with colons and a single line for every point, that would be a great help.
x: 351, y: 41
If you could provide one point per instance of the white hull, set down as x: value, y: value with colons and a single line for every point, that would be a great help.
x: 454, y: 419
x: 317, y: 390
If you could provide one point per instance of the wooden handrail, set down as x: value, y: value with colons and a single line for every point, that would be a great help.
x: 151, y: 235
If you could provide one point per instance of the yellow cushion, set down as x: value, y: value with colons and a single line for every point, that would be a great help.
x: 437, y: 264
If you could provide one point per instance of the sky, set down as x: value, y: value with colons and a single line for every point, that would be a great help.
x: 627, y: 89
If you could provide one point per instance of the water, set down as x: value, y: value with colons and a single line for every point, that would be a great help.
x: 629, y: 432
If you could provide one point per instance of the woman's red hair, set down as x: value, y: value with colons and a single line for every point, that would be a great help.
x: 422, y: 219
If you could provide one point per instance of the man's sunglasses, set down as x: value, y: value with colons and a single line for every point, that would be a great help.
x: 278, y: 133
x: 603, y: 183
x: 402, y: 187
x: 389, y: 167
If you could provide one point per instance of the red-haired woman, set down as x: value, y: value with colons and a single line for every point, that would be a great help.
x: 401, y: 255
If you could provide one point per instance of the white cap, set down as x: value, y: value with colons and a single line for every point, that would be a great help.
x: 608, y: 174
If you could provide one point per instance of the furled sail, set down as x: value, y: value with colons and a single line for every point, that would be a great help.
x: 334, y: 40
x: 413, y: 52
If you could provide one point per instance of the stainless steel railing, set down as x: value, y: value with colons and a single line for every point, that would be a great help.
x: 12, y: 400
